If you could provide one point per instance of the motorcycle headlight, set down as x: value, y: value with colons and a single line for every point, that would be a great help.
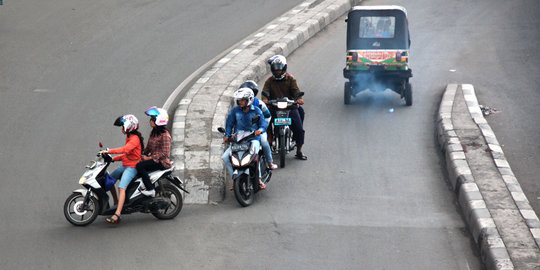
x: 246, y: 160
x: 282, y: 105
x: 82, y: 180
x: 235, y: 161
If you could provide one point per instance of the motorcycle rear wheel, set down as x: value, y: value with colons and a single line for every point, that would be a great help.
x: 74, y: 212
x: 244, y: 191
x: 282, y: 150
x: 173, y: 195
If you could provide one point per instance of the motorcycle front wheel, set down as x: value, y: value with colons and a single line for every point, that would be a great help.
x: 174, y: 197
x: 243, y: 190
x: 77, y: 212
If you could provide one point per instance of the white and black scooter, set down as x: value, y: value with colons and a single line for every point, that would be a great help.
x: 84, y: 205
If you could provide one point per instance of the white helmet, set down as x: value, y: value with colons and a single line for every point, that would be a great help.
x: 128, y: 122
x: 160, y: 116
x: 244, y: 93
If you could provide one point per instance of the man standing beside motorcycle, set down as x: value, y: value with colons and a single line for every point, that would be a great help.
x: 283, y: 84
x: 240, y: 118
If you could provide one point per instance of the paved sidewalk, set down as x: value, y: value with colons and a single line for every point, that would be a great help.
x: 197, y: 146
x: 498, y: 214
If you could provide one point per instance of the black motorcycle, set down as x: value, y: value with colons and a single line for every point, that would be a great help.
x: 282, y: 134
x: 246, y: 166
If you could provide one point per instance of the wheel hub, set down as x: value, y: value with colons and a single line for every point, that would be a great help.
x: 78, y: 208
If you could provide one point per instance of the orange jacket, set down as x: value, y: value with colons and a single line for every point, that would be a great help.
x: 130, y: 152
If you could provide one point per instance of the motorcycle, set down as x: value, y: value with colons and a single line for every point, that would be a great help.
x: 84, y: 205
x: 246, y: 166
x: 282, y: 139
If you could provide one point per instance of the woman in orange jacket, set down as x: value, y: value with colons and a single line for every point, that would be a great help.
x: 130, y: 155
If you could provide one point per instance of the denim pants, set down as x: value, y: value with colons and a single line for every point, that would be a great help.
x: 125, y: 174
x: 227, y: 159
x: 266, y: 148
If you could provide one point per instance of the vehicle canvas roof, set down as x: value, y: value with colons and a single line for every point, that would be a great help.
x: 385, y: 7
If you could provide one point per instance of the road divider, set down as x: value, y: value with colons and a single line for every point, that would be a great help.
x: 201, y: 103
x: 498, y: 215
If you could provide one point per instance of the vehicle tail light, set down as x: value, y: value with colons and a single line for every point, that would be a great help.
x: 282, y: 105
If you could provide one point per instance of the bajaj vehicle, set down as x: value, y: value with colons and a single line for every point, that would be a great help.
x: 377, y: 51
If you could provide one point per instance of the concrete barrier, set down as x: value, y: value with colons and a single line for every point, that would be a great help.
x: 202, y: 105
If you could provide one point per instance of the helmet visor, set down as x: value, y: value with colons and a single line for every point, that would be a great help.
x: 277, y: 66
x: 119, y: 121
x: 153, y: 111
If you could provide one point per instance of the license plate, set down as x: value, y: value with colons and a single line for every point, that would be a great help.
x: 239, y: 147
x: 282, y: 121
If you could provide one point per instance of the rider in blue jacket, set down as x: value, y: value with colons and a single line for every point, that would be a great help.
x: 267, y: 116
x: 240, y: 118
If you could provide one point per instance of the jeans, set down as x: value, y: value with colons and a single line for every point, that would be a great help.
x: 125, y: 174
x: 146, y: 166
x: 266, y: 148
x: 227, y: 159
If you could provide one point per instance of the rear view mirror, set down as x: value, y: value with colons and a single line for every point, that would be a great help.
x: 266, y: 94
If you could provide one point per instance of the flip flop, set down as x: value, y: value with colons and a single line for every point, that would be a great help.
x: 300, y: 156
x: 262, y: 186
x: 114, y: 221
x: 272, y: 167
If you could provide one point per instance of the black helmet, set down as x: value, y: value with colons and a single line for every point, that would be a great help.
x: 278, y: 62
x: 251, y: 85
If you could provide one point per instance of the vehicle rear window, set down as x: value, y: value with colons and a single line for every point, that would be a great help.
x: 377, y: 27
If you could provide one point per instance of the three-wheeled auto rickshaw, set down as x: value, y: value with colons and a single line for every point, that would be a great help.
x: 377, y: 51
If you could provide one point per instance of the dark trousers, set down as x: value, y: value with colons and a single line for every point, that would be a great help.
x: 297, y: 125
x: 144, y: 167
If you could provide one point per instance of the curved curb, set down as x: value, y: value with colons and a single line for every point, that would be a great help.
x: 197, y: 146
x: 485, y: 223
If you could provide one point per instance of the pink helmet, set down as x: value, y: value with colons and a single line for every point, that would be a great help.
x: 160, y: 116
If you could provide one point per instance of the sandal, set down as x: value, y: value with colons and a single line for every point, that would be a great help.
x: 262, y: 186
x: 114, y: 221
x: 272, y: 166
x: 300, y: 156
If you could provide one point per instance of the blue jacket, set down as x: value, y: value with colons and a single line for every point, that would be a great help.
x: 240, y: 120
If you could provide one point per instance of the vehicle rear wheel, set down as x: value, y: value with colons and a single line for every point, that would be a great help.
x: 173, y: 196
x: 282, y: 150
x: 77, y: 212
x: 407, y: 94
x: 243, y: 190
x: 347, y: 93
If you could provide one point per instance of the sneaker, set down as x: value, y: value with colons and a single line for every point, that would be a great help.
x: 149, y: 193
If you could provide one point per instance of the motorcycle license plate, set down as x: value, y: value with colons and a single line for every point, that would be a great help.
x: 282, y: 121
x: 239, y: 147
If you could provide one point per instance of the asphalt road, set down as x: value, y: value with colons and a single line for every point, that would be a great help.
x: 372, y: 195
x: 68, y: 69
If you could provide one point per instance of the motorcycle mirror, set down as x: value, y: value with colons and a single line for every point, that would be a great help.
x: 221, y: 129
x: 266, y: 94
x: 299, y: 94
